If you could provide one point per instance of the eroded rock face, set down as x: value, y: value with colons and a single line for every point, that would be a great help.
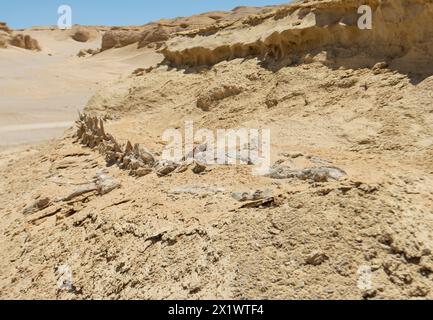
x: 4, y: 27
x: 81, y: 35
x: 210, y: 98
x: 154, y: 34
x: 119, y: 38
x: 25, y: 42
x: 87, y: 52
x: 157, y: 33
x: 18, y: 40
x: 4, y: 39
x: 310, y: 26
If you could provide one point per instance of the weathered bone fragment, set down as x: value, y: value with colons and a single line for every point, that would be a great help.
x: 139, y: 161
x: 38, y: 205
x: 164, y: 168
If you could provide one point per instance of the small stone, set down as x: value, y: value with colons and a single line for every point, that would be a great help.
x: 184, y: 166
x: 263, y: 203
x: 316, y: 258
x: 368, y: 294
x: 381, y: 65
x: 82, y: 53
x: 138, y: 72
x: 165, y: 168
x: 37, y: 206
x: 128, y: 148
x: 143, y: 172
x: 142, y: 154
x: 419, y: 291
x: 241, y: 196
x: 198, y: 168
x: 250, y: 196
x: 308, y: 58
x: 296, y: 155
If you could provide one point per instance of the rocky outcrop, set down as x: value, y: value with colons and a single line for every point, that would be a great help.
x: 156, y: 33
x: 4, y: 39
x: 314, y: 26
x: 81, y: 35
x: 119, y: 38
x: 25, y: 42
x: 208, y: 99
x: 4, y: 27
x: 86, y: 52
x: 19, y: 40
x: 4, y: 35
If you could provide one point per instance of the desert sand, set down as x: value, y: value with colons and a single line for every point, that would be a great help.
x: 41, y: 92
x: 345, y: 211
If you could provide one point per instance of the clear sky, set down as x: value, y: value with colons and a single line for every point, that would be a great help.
x: 27, y: 13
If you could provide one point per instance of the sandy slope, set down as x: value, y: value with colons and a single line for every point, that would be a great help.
x: 40, y: 92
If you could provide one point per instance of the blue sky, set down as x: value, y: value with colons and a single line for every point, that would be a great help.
x: 27, y: 13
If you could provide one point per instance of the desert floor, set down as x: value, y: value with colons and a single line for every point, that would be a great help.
x: 41, y: 92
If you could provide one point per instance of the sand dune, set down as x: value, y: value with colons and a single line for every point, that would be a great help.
x: 53, y: 84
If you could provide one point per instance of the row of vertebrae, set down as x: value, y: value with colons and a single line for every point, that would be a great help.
x: 91, y: 132
x: 140, y: 162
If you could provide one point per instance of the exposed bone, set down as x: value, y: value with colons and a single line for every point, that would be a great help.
x: 198, y: 168
x: 87, y: 189
x: 128, y: 148
x: 91, y: 133
x: 165, y: 168
x: 102, y: 130
x: 37, y: 206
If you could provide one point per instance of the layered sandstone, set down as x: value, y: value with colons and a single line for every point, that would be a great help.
x: 162, y: 30
x: 401, y: 29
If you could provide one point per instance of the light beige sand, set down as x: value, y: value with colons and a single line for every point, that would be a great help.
x: 41, y: 92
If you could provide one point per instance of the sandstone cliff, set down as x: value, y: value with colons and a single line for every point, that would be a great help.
x: 401, y: 30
